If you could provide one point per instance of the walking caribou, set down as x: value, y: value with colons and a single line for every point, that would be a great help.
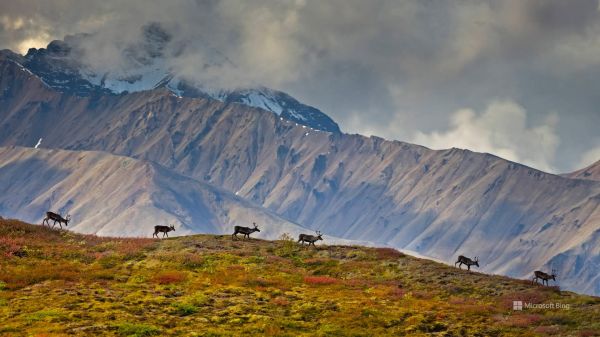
x: 163, y: 229
x: 244, y: 230
x: 56, y: 218
x: 466, y: 261
x: 543, y: 276
x: 311, y: 239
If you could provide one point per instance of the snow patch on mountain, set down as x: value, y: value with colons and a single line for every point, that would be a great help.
x: 146, y: 77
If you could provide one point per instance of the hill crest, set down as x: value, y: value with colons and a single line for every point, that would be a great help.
x: 54, y: 282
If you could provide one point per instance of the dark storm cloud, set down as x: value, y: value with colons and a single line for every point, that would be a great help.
x: 515, y: 78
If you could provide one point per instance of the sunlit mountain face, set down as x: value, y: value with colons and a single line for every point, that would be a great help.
x: 206, y: 164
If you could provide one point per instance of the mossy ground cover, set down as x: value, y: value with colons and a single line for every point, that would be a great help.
x: 57, y: 283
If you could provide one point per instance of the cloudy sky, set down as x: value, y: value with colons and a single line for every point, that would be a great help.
x: 516, y: 78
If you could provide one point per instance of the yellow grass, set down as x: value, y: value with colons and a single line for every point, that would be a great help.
x: 57, y: 283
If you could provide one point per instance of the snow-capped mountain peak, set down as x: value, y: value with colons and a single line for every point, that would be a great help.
x: 145, y: 68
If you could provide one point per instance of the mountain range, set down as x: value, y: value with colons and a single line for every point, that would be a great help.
x: 60, y: 67
x: 113, y: 195
x: 516, y: 219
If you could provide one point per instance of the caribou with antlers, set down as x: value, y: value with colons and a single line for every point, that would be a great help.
x: 543, y: 276
x: 163, y: 229
x: 244, y: 230
x: 466, y: 261
x: 311, y: 239
x: 56, y: 218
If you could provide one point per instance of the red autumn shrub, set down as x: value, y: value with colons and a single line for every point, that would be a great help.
x: 547, y: 330
x: 318, y: 280
x: 397, y: 293
x: 169, y: 277
x: 280, y: 301
x: 388, y: 253
x: 9, y: 246
x: 523, y: 320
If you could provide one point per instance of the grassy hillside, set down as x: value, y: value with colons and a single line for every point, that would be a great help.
x: 57, y: 283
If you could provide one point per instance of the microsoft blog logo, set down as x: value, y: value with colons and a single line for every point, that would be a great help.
x: 517, y: 305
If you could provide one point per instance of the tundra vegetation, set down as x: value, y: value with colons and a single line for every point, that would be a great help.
x: 58, y: 283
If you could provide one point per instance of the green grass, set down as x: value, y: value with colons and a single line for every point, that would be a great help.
x: 57, y: 283
x: 136, y: 330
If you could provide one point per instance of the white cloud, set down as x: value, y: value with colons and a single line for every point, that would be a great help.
x: 501, y: 130
x: 381, y: 67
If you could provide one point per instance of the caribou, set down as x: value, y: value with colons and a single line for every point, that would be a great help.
x: 56, y: 218
x: 543, y: 276
x: 163, y: 229
x: 311, y: 239
x: 244, y: 230
x: 466, y: 261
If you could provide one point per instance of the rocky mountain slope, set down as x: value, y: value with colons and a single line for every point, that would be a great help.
x: 591, y: 172
x: 121, y: 196
x: 437, y: 203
